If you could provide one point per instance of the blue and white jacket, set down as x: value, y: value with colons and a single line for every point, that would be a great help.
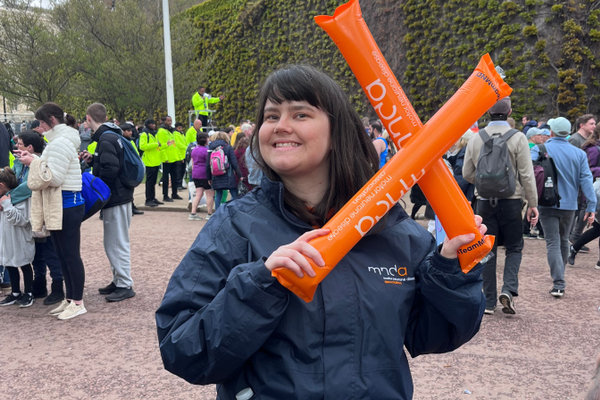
x: 225, y: 320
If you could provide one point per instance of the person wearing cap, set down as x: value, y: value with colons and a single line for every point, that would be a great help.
x: 573, y: 174
x: 534, y: 136
x: 152, y: 158
x: 504, y: 217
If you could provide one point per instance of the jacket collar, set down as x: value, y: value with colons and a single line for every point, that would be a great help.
x: 274, y: 192
x: 107, y: 126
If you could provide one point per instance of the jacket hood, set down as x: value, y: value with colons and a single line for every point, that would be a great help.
x: 148, y: 130
x: 63, y: 130
x: 107, y: 126
x: 217, y: 143
x: 169, y: 128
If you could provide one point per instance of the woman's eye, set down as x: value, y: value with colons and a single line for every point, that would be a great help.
x: 271, y: 117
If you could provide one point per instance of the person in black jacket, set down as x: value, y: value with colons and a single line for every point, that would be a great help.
x: 107, y: 162
x: 226, y: 181
x: 225, y: 319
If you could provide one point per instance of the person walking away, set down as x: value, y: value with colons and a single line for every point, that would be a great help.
x: 240, y: 154
x: 502, y: 216
x: 456, y: 158
x: 57, y: 204
x: 169, y: 157
x: 127, y: 129
x: 107, y: 163
x: 573, y: 174
x: 588, y: 235
x: 199, y: 176
x: 151, y: 157
x: 225, y: 180
x: 586, y: 124
x: 17, y: 247
x: 202, y: 102
x: 45, y: 255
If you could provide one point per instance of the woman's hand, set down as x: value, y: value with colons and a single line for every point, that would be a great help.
x: 5, y: 197
x: 450, y: 247
x: 292, y: 256
x: 23, y: 156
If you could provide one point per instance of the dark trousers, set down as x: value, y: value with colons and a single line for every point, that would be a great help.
x: 180, y: 173
x: 169, y: 169
x: 587, y: 236
x: 579, y: 222
x: 67, y: 243
x: 504, y: 220
x: 151, y: 175
x: 204, y: 119
x: 45, y: 255
x: 15, y: 278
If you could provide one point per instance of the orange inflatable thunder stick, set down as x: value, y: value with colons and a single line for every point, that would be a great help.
x: 350, y: 33
x: 483, y: 88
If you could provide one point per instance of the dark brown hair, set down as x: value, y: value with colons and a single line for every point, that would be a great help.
x: 241, y: 143
x: 202, y: 138
x: 352, y: 159
x: 97, y: 113
x: 8, y: 177
x: 583, y: 120
x: 50, y: 110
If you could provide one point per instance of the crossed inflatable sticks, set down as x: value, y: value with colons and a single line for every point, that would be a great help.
x: 418, y: 159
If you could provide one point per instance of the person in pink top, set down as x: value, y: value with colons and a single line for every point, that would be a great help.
x: 199, y: 160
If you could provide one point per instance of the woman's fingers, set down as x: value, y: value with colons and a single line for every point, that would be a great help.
x: 294, y: 255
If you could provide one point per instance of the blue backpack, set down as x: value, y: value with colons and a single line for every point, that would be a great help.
x: 132, y: 169
x: 95, y: 193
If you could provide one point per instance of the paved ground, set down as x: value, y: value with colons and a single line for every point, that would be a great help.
x: 546, y: 351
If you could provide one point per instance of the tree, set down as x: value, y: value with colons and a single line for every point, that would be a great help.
x: 34, y: 69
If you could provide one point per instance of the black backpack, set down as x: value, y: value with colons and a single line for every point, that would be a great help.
x: 495, y: 176
x: 546, y: 179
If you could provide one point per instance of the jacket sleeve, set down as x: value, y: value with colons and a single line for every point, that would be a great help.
x: 525, y: 170
x: 15, y: 215
x: 214, y: 299
x: 592, y: 156
x: 233, y: 161
x: 145, y: 144
x: 58, y: 159
x: 109, y: 162
x: 448, y: 306
x: 213, y: 100
x: 586, y: 182
x: 469, y: 166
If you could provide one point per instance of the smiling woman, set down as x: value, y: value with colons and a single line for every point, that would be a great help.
x: 225, y: 319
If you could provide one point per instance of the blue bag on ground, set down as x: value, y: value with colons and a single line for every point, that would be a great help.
x: 95, y: 193
x: 132, y: 169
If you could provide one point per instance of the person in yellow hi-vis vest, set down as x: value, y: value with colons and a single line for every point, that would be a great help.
x: 202, y: 102
x: 152, y: 158
x: 180, y: 141
x: 192, y: 132
x: 169, y: 157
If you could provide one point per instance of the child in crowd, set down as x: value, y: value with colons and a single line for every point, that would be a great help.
x: 17, y: 248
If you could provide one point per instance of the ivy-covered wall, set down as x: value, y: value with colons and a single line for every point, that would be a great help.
x: 549, y: 49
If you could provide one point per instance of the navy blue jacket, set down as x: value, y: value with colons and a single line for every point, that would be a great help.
x: 226, y: 181
x: 457, y: 161
x: 224, y: 319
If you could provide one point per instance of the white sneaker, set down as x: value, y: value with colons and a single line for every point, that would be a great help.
x: 194, y: 217
x: 72, y: 311
x: 61, y: 307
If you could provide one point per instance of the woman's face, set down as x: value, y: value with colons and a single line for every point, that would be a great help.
x: 295, y: 139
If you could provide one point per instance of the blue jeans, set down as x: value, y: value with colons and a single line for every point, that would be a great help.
x: 504, y: 221
x: 219, y: 195
x: 557, y: 227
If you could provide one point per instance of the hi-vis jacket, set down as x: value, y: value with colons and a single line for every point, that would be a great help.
x: 203, y: 103
x: 224, y: 319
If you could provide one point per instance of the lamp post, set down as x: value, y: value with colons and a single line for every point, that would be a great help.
x: 168, y: 61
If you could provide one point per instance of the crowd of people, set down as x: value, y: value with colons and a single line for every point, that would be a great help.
x: 307, y: 154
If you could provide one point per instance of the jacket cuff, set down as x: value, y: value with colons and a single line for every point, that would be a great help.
x: 6, y: 204
x: 262, y: 277
x: 447, y: 265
